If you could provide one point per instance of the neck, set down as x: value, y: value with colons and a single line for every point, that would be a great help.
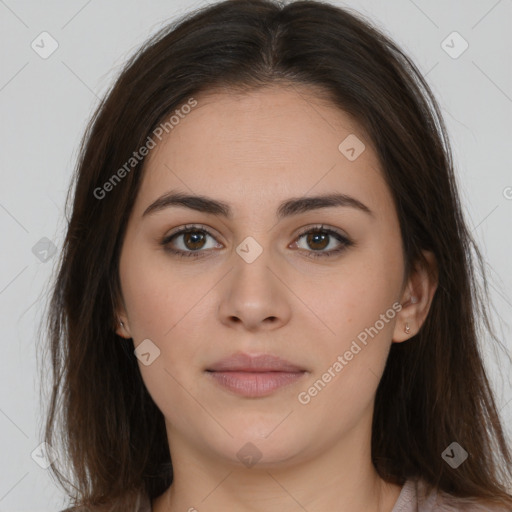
x: 341, y: 478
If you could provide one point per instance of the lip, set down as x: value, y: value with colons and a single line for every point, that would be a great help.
x: 241, y: 362
x: 254, y: 375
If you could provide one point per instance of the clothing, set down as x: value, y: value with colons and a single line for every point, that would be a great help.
x: 412, y: 498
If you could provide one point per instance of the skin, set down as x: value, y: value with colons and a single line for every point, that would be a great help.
x: 253, y: 151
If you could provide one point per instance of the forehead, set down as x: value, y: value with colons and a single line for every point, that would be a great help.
x: 263, y: 146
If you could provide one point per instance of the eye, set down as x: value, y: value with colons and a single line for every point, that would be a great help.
x: 319, y: 238
x: 192, y: 238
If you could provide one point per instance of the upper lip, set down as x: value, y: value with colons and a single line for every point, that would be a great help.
x: 241, y: 362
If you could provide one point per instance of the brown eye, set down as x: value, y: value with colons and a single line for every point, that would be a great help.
x: 188, y: 241
x: 317, y: 241
x: 319, y: 238
x: 193, y: 240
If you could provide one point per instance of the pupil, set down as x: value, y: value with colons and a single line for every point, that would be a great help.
x: 315, y: 237
x: 197, y: 236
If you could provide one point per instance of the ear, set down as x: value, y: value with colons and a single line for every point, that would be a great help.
x: 416, y: 298
x: 122, y: 327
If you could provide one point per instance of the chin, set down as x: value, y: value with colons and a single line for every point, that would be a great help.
x: 262, y: 445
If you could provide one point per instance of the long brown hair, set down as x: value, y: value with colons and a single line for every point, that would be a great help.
x: 434, y: 389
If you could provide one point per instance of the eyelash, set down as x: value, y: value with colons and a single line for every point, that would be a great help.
x: 346, y: 242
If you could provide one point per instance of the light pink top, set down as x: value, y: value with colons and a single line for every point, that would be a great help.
x: 413, y: 498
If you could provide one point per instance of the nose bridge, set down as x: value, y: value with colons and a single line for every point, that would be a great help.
x: 252, y: 263
x: 253, y: 295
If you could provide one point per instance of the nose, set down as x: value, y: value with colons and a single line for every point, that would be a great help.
x: 254, y: 296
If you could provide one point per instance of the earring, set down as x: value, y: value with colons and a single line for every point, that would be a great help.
x: 407, y: 329
x: 414, y: 300
x: 121, y: 324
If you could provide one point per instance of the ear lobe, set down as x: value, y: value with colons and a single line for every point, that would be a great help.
x: 119, y: 330
x: 122, y: 327
x: 405, y: 328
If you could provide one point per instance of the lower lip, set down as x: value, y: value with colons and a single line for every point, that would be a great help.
x: 256, y: 384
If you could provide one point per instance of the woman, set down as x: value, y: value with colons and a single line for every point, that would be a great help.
x: 266, y: 299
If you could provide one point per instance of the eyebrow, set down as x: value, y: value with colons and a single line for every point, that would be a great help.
x: 288, y: 208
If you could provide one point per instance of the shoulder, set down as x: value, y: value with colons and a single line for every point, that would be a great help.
x: 142, y: 504
x: 416, y: 497
x: 439, y: 501
x: 79, y: 509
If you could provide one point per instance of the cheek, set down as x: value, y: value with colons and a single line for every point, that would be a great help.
x: 164, y: 307
x: 352, y: 358
x: 352, y: 297
x: 356, y: 323
x: 157, y: 294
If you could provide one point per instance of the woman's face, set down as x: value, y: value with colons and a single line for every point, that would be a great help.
x: 248, y: 282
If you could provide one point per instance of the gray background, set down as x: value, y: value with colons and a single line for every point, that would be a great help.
x: 44, y: 107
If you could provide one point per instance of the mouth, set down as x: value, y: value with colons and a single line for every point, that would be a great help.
x: 254, y: 376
